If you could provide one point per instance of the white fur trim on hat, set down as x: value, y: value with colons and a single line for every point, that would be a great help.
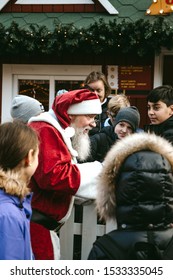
x: 92, y: 106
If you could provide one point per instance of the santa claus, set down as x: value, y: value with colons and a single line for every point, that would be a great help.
x: 59, y: 178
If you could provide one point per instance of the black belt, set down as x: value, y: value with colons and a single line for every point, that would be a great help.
x: 46, y: 221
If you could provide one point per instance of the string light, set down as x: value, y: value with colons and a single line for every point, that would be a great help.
x: 134, y: 37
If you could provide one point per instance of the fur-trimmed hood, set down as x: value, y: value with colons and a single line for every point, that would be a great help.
x: 106, y: 200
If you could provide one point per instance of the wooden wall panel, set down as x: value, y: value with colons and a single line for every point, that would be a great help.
x: 79, y: 8
x: 16, y: 8
x: 89, y: 8
x: 99, y: 7
x: 167, y: 70
x: 58, y: 8
x: 36, y: 8
x: 48, y: 8
x: 25, y: 9
x: 12, y: 8
x: 68, y: 8
x: 140, y: 101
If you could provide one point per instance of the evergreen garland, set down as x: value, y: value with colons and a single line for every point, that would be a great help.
x: 140, y: 37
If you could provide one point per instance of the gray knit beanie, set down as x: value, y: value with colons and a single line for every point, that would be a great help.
x: 24, y: 107
x: 130, y: 115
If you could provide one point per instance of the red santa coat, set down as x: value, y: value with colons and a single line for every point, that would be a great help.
x: 58, y: 177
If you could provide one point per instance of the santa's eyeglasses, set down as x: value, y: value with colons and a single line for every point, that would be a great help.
x: 94, y: 119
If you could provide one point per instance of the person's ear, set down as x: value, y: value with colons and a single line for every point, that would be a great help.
x: 72, y: 117
x: 171, y: 111
x: 29, y: 158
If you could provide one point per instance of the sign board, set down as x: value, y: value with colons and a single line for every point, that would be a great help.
x: 134, y: 78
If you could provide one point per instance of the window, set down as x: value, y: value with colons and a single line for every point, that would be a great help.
x: 40, y: 81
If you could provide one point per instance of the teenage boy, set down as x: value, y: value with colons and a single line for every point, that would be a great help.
x: 160, y: 112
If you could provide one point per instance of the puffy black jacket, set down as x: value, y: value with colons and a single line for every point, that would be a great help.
x: 164, y: 129
x: 101, y: 143
x: 136, y: 189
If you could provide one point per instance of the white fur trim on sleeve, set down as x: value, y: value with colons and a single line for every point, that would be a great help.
x: 89, y: 172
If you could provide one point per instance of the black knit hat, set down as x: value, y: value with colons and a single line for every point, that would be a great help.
x: 130, y: 115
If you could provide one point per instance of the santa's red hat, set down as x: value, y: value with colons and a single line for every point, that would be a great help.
x: 76, y: 102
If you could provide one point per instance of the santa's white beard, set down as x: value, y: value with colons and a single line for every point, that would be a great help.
x: 81, y: 143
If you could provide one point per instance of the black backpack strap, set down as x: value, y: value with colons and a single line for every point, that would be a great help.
x: 168, y: 253
x: 144, y: 250
x: 108, y: 246
x: 113, y: 252
x: 151, y: 250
